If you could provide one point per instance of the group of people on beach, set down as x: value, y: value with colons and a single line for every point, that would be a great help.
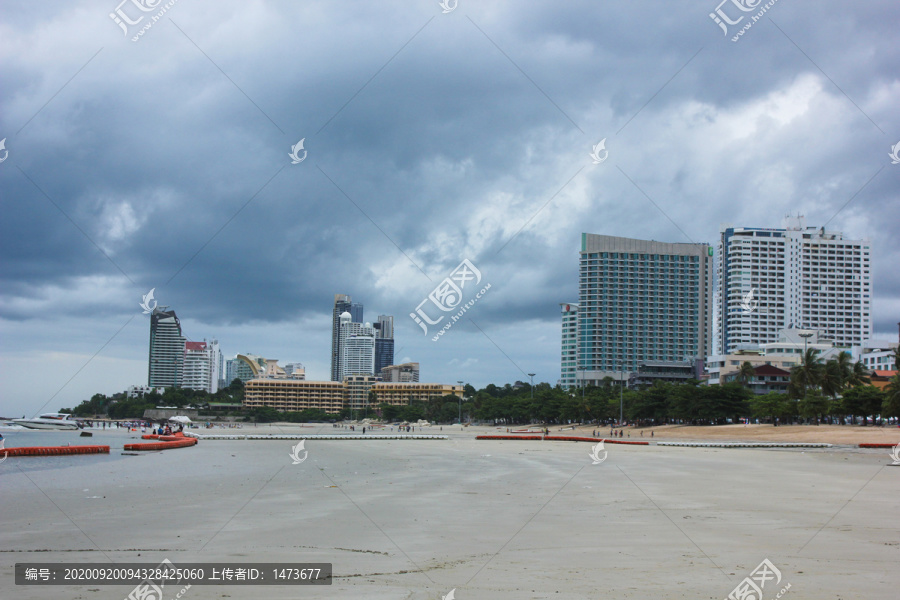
x: 620, y: 433
x: 167, y: 430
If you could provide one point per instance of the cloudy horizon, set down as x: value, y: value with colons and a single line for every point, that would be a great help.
x: 429, y: 137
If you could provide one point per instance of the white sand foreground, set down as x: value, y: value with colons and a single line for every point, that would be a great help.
x: 414, y: 519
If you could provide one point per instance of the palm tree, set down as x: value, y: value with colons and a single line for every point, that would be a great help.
x: 891, y: 405
x: 746, y: 372
x: 832, y: 377
x: 843, y: 366
x: 806, y: 375
x: 858, y: 375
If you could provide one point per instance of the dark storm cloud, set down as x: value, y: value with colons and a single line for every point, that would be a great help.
x: 449, y: 136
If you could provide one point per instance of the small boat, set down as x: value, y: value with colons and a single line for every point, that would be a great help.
x: 50, y: 421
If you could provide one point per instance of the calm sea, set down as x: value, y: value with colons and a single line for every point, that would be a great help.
x: 21, y: 438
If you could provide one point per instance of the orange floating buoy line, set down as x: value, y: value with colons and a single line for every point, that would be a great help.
x: 165, y: 442
x: 56, y: 450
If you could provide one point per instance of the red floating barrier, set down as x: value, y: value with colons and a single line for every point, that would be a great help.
x: 165, y: 443
x: 873, y: 445
x: 56, y: 450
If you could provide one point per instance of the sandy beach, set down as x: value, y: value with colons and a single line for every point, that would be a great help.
x: 827, y: 434
x: 415, y: 519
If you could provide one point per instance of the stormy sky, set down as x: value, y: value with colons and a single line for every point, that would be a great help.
x: 161, y: 160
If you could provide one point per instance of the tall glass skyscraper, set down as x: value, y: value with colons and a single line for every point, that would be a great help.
x: 342, y: 304
x: 166, y: 359
x: 641, y: 301
x: 384, y: 342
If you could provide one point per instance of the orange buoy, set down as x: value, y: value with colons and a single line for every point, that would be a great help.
x: 165, y: 443
x: 56, y: 450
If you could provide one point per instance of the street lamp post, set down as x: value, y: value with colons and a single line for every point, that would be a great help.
x: 805, y: 337
x: 460, y: 403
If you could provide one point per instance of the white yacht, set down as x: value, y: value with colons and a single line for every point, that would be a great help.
x: 49, y: 421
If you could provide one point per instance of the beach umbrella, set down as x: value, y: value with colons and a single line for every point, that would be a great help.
x: 180, y: 419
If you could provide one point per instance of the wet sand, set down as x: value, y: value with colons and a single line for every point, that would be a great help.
x: 413, y: 519
x: 828, y: 434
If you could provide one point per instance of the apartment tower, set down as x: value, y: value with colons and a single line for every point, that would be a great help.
x: 166, y: 349
x: 342, y: 304
x: 641, y: 301
x: 793, y: 278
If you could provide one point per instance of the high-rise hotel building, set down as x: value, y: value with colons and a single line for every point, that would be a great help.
x: 640, y: 301
x: 793, y: 278
x: 165, y: 365
x: 342, y: 304
x: 200, y: 370
x: 357, y: 344
x: 384, y: 342
x: 569, y: 345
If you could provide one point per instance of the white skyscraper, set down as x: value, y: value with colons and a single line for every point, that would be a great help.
x: 797, y: 277
x: 201, y: 366
x: 357, y: 347
x: 359, y: 355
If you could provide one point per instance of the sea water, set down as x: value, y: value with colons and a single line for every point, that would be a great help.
x: 16, y: 437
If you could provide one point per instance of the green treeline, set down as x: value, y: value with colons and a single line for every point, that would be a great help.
x: 836, y: 390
